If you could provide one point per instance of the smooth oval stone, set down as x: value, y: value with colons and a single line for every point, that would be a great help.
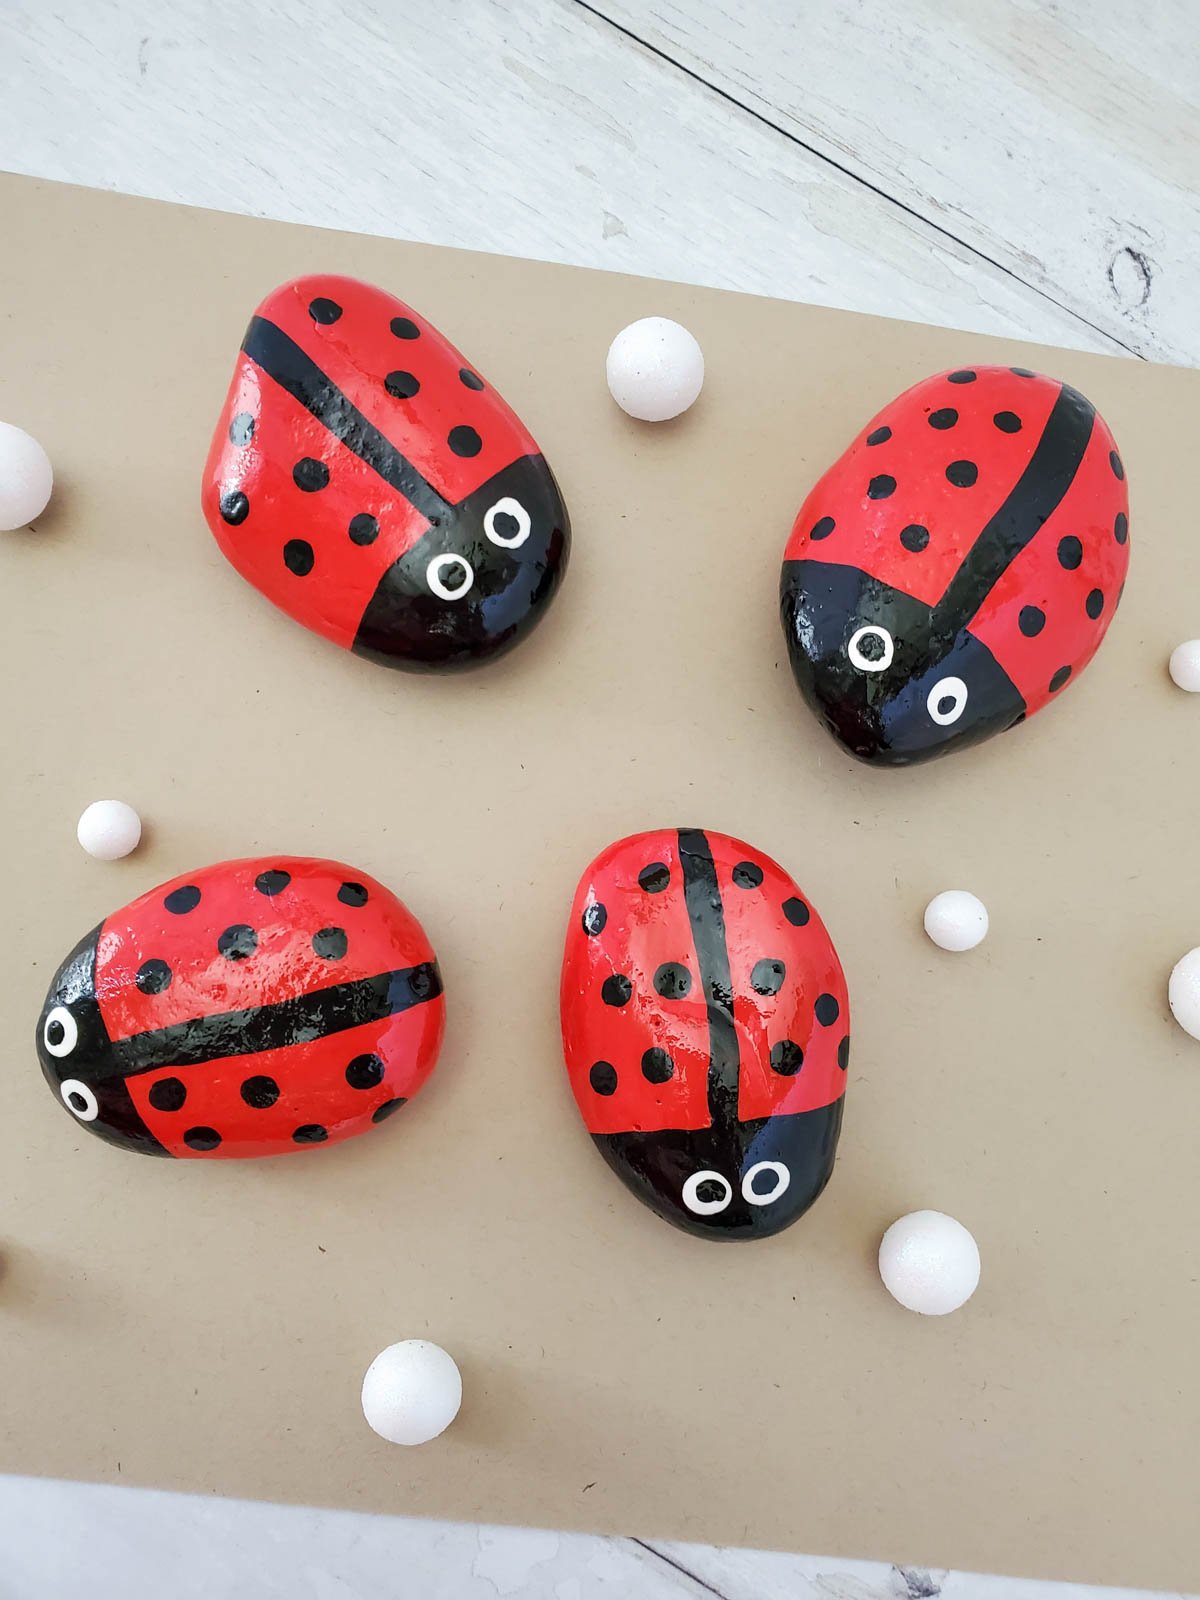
x: 249, y: 1009
x: 706, y: 1030
x: 373, y: 486
x: 958, y: 566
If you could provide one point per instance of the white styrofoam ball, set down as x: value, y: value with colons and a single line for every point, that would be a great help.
x: 26, y: 478
x: 109, y: 829
x: 1184, y: 665
x: 929, y: 1262
x: 956, y: 920
x: 1183, y: 992
x: 655, y: 369
x: 412, y: 1392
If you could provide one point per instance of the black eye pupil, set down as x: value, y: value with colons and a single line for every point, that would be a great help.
x: 763, y: 1182
x: 710, y: 1190
x: 872, y: 646
x: 506, y: 525
x: 55, y: 1033
x: 946, y: 705
x: 78, y: 1103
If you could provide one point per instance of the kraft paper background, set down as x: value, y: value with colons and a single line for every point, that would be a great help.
x: 206, y: 1327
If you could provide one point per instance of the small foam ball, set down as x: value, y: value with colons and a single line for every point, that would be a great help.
x: 26, y: 478
x: 929, y: 1262
x: 1184, y: 665
x: 655, y: 369
x: 109, y: 829
x: 956, y: 920
x: 412, y: 1392
x: 1183, y: 992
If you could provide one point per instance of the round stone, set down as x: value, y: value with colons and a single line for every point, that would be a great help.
x: 929, y: 1263
x: 655, y: 369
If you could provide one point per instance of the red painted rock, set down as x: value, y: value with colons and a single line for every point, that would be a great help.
x: 375, y: 487
x: 706, y: 1030
x: 958, y: 566
x: 249, y: 1009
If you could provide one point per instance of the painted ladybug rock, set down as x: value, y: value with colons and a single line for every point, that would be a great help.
x: 250, y: 1009
x: 706, y: 1031
x: 958, y: 566
x: 369, y: 481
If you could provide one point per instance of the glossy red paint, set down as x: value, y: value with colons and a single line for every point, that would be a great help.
x: 252, y: 1008
x: 958, y: 565
x: 374, y: 486
x: 705, y: 1026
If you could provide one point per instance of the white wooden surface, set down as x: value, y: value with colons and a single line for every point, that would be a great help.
x: 998, y: 165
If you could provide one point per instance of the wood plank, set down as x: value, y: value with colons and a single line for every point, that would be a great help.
x: 1060, y: 142
x: 476, y: 123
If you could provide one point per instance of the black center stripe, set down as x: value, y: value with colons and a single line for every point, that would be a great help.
x: 298, y: 1020
x: 706, y: 914
x: 282, y: 359
x: 1037, y: 492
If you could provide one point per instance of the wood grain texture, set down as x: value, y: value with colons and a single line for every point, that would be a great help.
x: 1059, y: 143
x: 540, y: 131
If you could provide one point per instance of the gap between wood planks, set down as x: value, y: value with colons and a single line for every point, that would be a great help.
x: 846, y: 172
x: 678, y: 1566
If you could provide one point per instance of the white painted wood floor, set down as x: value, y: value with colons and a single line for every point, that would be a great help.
x: 1001, y: 166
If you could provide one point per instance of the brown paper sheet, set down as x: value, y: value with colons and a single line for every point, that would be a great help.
x: 206, y: 1327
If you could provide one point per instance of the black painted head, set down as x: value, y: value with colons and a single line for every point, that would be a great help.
x: 478, y: 581
x: 876, y: 668
x: 734, y: 1180
x: 76, y: 1055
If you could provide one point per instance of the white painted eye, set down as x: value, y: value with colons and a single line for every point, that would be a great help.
x: 871, y: 649
x: 776, y: 1171
x: 61, y: 1032
x: 706, y: 1208
x: 507, y: 523
x: 947, y: 701
x: 437, y: 582
x: 79, y: 1099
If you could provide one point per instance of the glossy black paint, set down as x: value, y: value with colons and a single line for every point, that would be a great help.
x: 407, y: 625
x: 93, y: 1061
x: 884, y: 717
x: 655, y: 1166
